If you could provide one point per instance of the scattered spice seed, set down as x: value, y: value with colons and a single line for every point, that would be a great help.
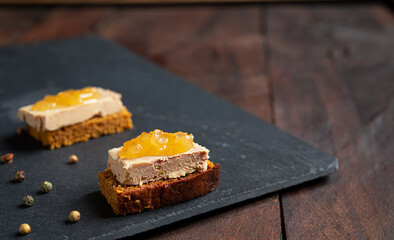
x: 28, y: 201
x: 8, y: 158
x: 74, y: 216
x: 73, y: 159
x: 46, y: 186
x: 24, y: 228
x: 20, y: 176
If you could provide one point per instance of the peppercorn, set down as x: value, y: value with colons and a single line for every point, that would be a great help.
x: 8, y: 158
x: 73, y: 159
x: 74, y: 216
x: 24, y: 228
x: 28, y: 201
x: 20, y: 176
x: 46, y: 186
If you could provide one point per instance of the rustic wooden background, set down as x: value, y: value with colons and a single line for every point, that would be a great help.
x: 322, y: 72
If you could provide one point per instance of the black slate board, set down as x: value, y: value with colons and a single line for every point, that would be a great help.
x: 271, y: 159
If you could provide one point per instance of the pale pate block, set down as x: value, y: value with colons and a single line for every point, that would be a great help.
x: 53, y: 119
x: 138, y: 171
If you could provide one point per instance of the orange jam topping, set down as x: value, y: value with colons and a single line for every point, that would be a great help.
x: 157, y: 143
x: 67, y: 98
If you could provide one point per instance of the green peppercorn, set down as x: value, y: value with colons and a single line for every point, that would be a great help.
x: 46, y: 186
x: 20, y: 176
x: 28, y: 201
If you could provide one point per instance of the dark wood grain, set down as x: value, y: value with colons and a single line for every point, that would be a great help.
x: 14, y: 22
x: 220, y: 49
x: 28, y: 25
x: 64, y: 22
x: 333, y: 87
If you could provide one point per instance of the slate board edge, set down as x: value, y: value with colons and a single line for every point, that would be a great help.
x: 134, y: 229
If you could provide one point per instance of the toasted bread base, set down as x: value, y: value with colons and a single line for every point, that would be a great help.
x: 134, y: 199
x: 81, y: 132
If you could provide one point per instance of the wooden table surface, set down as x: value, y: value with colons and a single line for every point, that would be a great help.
x: 323, y: 72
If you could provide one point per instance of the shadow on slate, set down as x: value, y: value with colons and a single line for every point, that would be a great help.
x: 256, y: 158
